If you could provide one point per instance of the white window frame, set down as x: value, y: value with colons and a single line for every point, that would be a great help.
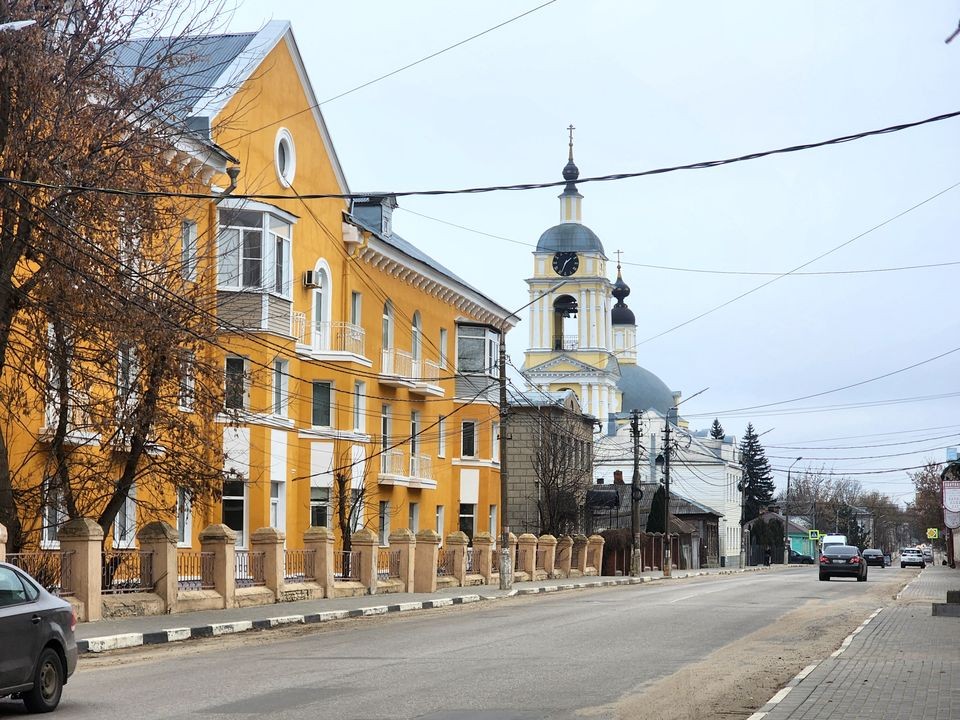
x: 441, y: 520
x: 386, y: 326
x: 281, y: 388
x: 188, y: 250
x: 443, y: 347
x: 53, y: 515
x: 442, y: 437
x: 284, y: 164
x: 492, y: 517
x: 416, y: 338
x: 320, y: 502
x: 275, y: 227
x: 356, y: 308
x: 495, y: 445
x: 128, y: 370
x: 330, y: 405
x: 384, y: 522
x: 243, y: 532
x: 359, y: 406
x: 184, y: 514
x: 186, y: 394
x: 472, y: 515
x: 490, y: 343
x: 245, y: 394
x: 413, y: 519
x: 125, y: 531
x: 322, y: 295
x: 278, y: 506
x: 473, y: 424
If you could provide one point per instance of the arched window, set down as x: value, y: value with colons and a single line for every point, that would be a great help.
x: 322, y: 301
x: 387, y: 336
x: 564, y: 307
x: 416, y: 335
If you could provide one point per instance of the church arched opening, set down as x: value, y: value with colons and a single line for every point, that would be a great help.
x: 564, y: 326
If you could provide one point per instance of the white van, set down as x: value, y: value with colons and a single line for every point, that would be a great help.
x: 832, y: 539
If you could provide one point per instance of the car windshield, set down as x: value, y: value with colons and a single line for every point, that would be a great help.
x: 871, y: 552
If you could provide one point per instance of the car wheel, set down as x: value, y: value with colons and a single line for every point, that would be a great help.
x: 44, y: 696
x: 824, y: 577
x: 902, y: 566
x: 862, y: 579
x: 923, y: 566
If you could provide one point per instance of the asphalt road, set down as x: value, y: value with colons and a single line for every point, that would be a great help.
x: 547, y: 656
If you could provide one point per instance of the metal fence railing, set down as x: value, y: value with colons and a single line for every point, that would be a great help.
x: 195, y: 571
x: 299, y: 565
x: 126, y: 571
x: 445, y: 563
x: 248, y: 571
x: 473, y: 561
x: 388, y: 564
x: 50, y: 568
x: 346, y: 565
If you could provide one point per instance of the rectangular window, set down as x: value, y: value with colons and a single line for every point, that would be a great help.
x: 127, y: 371
x: 321, y: 404
x: 495, y: 445
x: 478, y: 350
x: 468, y: 439
x: 276, y: 515
x: 440, y: 522
x: 188, y: 249
x: 355, y: 307
x: 359, y: 407
x: 385, y: 428
x: 235, y: 390
x: 467, y: 517
x: 228, y: 268
x: 355, y: 509
x: 241, y: 251
x: 234, y: 509
x: 441, y: 438
x: 384, y: 523
x: 413, y: 521
x: 280, y: 236
x: 185, y: 395
x: 443, y: 347
x: 281, y: 379
x: 319, y: 507
x: 252, y: 259
x: 125, y: 523
x: 184, y: 518
x: 493, y: 520
x: 54, y: 515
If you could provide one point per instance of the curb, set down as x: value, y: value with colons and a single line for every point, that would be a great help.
x: 802, y: 675
x: 162, y: 637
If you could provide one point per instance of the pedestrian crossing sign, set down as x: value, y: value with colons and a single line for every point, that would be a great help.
x: 813, y: 534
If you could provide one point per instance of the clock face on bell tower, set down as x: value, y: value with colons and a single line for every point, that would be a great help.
x: 565, y: 264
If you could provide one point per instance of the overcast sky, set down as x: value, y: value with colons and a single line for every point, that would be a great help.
x: 651, y: 84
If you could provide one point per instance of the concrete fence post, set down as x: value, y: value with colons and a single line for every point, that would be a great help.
x: 595, y: 553
x: 548, y: 544
x: 580, y: 550
x: 365, y: 542
x: 222, y: 542
x: 405, y: 542
x: 457, y: 544
x: 160, y: 540
x: 82, y: 539
x: 512, y: 539
x: 527, y: 543
x: 425, y: 565
x: 3, y: 542
x: 482, y: 556
x: 564, y: 555
x: 269, y: 541
x: 320, y: 540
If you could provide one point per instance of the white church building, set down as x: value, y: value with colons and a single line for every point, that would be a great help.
x: 583, y: 338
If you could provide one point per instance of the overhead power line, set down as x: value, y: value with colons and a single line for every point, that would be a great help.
x: 702, y: 165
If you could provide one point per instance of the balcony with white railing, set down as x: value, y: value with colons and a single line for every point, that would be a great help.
x: 333, y: 340
x: 426, y: 378
x: 421, y: 472
x: 79, y: 428
x: 393, y: 468
x: 396, y: 368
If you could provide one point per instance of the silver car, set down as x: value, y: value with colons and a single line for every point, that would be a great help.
x: 38, y: 651
x: 912, y: 556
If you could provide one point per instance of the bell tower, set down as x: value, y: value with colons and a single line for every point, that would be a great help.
x: 571, y: 334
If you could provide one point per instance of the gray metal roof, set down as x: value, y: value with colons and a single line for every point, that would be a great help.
x: 642, y: 390
x: 569, y: 237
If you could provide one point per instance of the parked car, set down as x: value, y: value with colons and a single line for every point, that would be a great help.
x: 38, y: 651
x: 912, y: 556
x: 800, y: 558
x: 842, y: 561
x: 927, y: 554
x: 874, y: 557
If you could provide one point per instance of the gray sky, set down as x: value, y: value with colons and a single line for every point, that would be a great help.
x: 651, y: 84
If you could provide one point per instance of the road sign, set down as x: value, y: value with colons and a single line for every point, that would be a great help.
x: 933, y: 533
x: 813, y: 534
x: 951, y: 495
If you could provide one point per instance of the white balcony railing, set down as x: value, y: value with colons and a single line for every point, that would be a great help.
x: 78, y: 414
x: 391, y: 463
x: 298, y: 327
x: 328, y: 336
x: 396, y: 362
x: 421, y: 466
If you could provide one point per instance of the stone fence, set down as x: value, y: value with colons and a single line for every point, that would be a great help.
x: 158, y: 578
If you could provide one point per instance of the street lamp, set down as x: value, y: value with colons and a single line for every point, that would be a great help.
x: 786, y: 516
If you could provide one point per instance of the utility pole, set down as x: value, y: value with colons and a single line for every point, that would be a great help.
x: 506, y: 572
x: 786, y: 516
x: 636, y: 494
x: 667, y: 561
x: 743, y: 516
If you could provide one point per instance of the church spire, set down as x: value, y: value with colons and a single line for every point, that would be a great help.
x: 621, y: 314
x: 570, y: 198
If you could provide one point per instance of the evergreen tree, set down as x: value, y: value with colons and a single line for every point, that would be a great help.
x: 655, y: 517
x: 757, y: 481
x: 716, y: 430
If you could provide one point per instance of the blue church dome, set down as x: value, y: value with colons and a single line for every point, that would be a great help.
x: 569, y: 237
x: 642, y: 390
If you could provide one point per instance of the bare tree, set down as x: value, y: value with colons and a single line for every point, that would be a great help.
x: 102, y: 332
x: 562, y: 464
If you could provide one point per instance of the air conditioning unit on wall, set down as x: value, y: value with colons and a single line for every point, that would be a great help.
x: 311, y: 279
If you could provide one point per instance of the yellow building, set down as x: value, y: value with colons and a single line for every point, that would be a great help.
x: 351, y: 360
x: 354, y: 357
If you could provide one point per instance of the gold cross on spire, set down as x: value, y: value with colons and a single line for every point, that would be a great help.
x: 570, y: 129
x: 619, y: 253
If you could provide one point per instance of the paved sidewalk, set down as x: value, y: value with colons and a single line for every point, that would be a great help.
x: 903, y: 664
x: 157, y: 629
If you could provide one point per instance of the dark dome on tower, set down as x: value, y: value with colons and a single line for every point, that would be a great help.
x: 569, y: 237
x: 621, y: 314
x: 570, y: 171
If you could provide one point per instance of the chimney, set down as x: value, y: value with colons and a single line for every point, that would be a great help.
x: 618, y: 477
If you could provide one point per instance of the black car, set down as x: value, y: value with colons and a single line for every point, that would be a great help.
x: 874, y: 557
x: 842, y: 561
x: 800, y: 558
x: 38, y: 651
